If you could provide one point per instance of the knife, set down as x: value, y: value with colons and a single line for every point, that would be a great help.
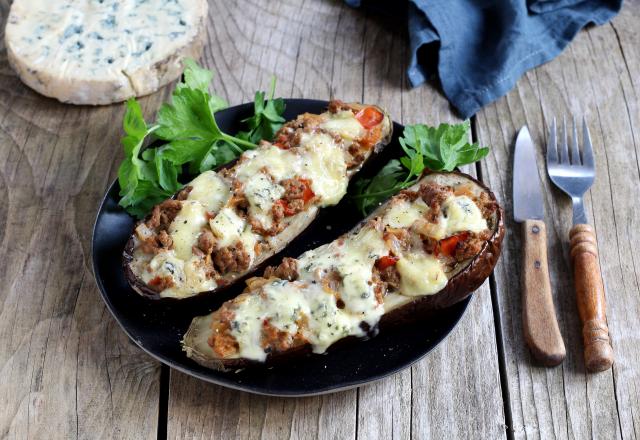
x: 541, y: 331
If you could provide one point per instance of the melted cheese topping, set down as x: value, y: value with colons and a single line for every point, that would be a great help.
x: 325, y: 164
x: 420, y: 275
x: 345, y: 125
x: 320, y: 157
x: 210, y: 190
x: 353, y: 261
x: 349, y: 262
x: 284, y: 303
x: 459, y: 213
x: 186, y: 228
x: 262, y: 193
x: 227, y: 227
x: 279, y: 163
x: 189, y: 276
x: 403, y: 213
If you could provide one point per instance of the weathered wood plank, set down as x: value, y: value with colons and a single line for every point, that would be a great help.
x: 303, y: 47
x: 66, y: 368
x: 417, y: 402
x: 590, y: 78
x: 341, y: 58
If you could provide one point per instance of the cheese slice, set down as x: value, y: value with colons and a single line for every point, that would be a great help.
x: 100, y: 52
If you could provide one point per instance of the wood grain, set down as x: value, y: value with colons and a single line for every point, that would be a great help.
x: 596, y: 76
x: 539, y: 322
x: 248, y: 56
x: 66, y: 368
x: 351, y: 57
x: 598, y: 354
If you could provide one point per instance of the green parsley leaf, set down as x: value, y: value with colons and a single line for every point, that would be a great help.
x: 133, y: 171
x: 190, y: 137
x: 267, y: 118
x: 370, y: 192
x: 441, y: 148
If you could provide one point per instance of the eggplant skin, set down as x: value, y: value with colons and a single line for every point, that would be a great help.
x: 459, y: 287
x: 285, y: 237
x: 462, y: 284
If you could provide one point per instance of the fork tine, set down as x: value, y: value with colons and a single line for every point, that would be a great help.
x: 575, y: 152
x: 552, y: 145
x: 587, y: 150
x: 564, y: 148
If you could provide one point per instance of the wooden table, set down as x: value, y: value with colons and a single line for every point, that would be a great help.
x: 68, y: 371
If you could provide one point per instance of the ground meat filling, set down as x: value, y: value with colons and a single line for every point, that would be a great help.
x: 182, y: 195
x: 206, y: 242
x: 471, y: 246
x: 152, y: 233
x: 287, y: 270
x: 391, y: 276
x: 293, y: 189
x: 297, y: 196
x: 160, y: 283
x: 221, y: 341
x: 434, y: 196
x: 275, y: 340
x: 163, y: 214
x: 232, y: 258
x: 467, y: 244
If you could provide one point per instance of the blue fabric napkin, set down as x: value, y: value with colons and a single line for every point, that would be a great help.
x: 484, y: 46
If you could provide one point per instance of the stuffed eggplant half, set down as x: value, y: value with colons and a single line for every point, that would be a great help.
x: 224, y: 224
x: 428, y: 247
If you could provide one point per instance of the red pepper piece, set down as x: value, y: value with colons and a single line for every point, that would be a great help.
x: 369, y: 117
x: 386, y: 261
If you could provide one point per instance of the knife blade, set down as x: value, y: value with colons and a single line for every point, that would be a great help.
x: 527, y: 195
x: 540, y: 326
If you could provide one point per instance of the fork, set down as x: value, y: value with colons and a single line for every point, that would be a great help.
x: 574, y: 175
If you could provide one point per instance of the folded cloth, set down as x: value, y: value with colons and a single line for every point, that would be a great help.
x: 485, y: 46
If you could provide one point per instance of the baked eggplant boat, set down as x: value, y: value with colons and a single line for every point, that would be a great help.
x: 224, y: 224
x: 426, y: 248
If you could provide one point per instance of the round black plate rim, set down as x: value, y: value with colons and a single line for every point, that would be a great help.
x: 210, y: 376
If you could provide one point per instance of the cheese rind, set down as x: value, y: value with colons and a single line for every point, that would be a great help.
x: 88, y: 52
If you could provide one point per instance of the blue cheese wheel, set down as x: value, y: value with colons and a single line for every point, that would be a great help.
x: 102, y: 51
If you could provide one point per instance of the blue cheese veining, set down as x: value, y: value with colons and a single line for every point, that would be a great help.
x: 334, y: 293
x: 99, y: 52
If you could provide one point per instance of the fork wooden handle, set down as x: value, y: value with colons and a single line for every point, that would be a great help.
x: 539, y: 321
x: 598, y: 354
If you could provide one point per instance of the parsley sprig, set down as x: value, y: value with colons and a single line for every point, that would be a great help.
x: 437, y: 149
x: 190, y: 138
x: 267, y: 117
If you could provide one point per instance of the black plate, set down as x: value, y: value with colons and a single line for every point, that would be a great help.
x: 157, y: 327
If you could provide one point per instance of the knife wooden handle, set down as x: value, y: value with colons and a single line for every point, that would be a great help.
x: 541, y: 330
x: 598, y: 354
